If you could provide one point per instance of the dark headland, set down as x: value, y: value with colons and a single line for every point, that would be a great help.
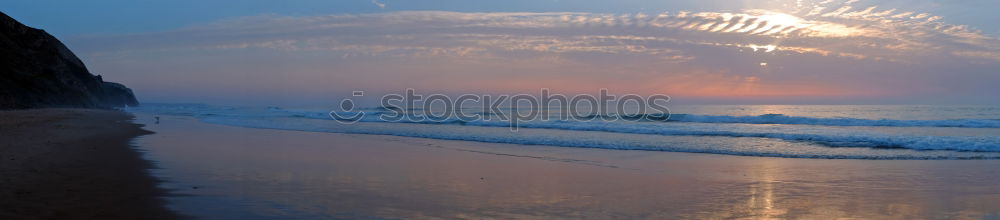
x: 64, y: 153
x: 39, y: 71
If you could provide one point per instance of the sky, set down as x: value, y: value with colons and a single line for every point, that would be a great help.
x: 268, y: 52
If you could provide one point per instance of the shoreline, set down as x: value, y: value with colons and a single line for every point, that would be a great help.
x: 78, y: 164
x: 95, y: 164
x: 267, y: 173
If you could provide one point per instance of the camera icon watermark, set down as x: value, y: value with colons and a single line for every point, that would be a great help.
x: 347, y: 113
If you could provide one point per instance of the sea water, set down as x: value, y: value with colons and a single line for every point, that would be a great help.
x: 895, y: 132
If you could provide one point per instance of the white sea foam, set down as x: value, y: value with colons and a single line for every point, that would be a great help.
x: 784, y: 119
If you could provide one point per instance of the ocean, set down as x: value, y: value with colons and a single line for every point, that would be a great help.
x: 870, y: 132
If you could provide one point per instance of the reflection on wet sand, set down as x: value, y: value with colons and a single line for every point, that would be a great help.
x: 259, y: 174
x: 761, y: 201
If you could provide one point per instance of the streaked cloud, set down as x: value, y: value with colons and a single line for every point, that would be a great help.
x: 379, y: 3
x: 727, y: 49
x: 828, y: 29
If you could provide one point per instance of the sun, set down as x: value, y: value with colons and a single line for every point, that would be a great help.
x: 781, y: 19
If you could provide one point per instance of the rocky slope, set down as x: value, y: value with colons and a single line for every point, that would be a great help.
x: 37, y: 71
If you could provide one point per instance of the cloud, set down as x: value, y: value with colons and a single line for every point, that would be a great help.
x: 874, y: 34
x: 833, y: 47
x: 379, y: 4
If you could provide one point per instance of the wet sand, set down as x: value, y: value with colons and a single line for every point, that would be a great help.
x: 74, y: 164
x: 245, y: 173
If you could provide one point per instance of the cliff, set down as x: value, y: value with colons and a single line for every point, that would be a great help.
x: 37, y: 71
